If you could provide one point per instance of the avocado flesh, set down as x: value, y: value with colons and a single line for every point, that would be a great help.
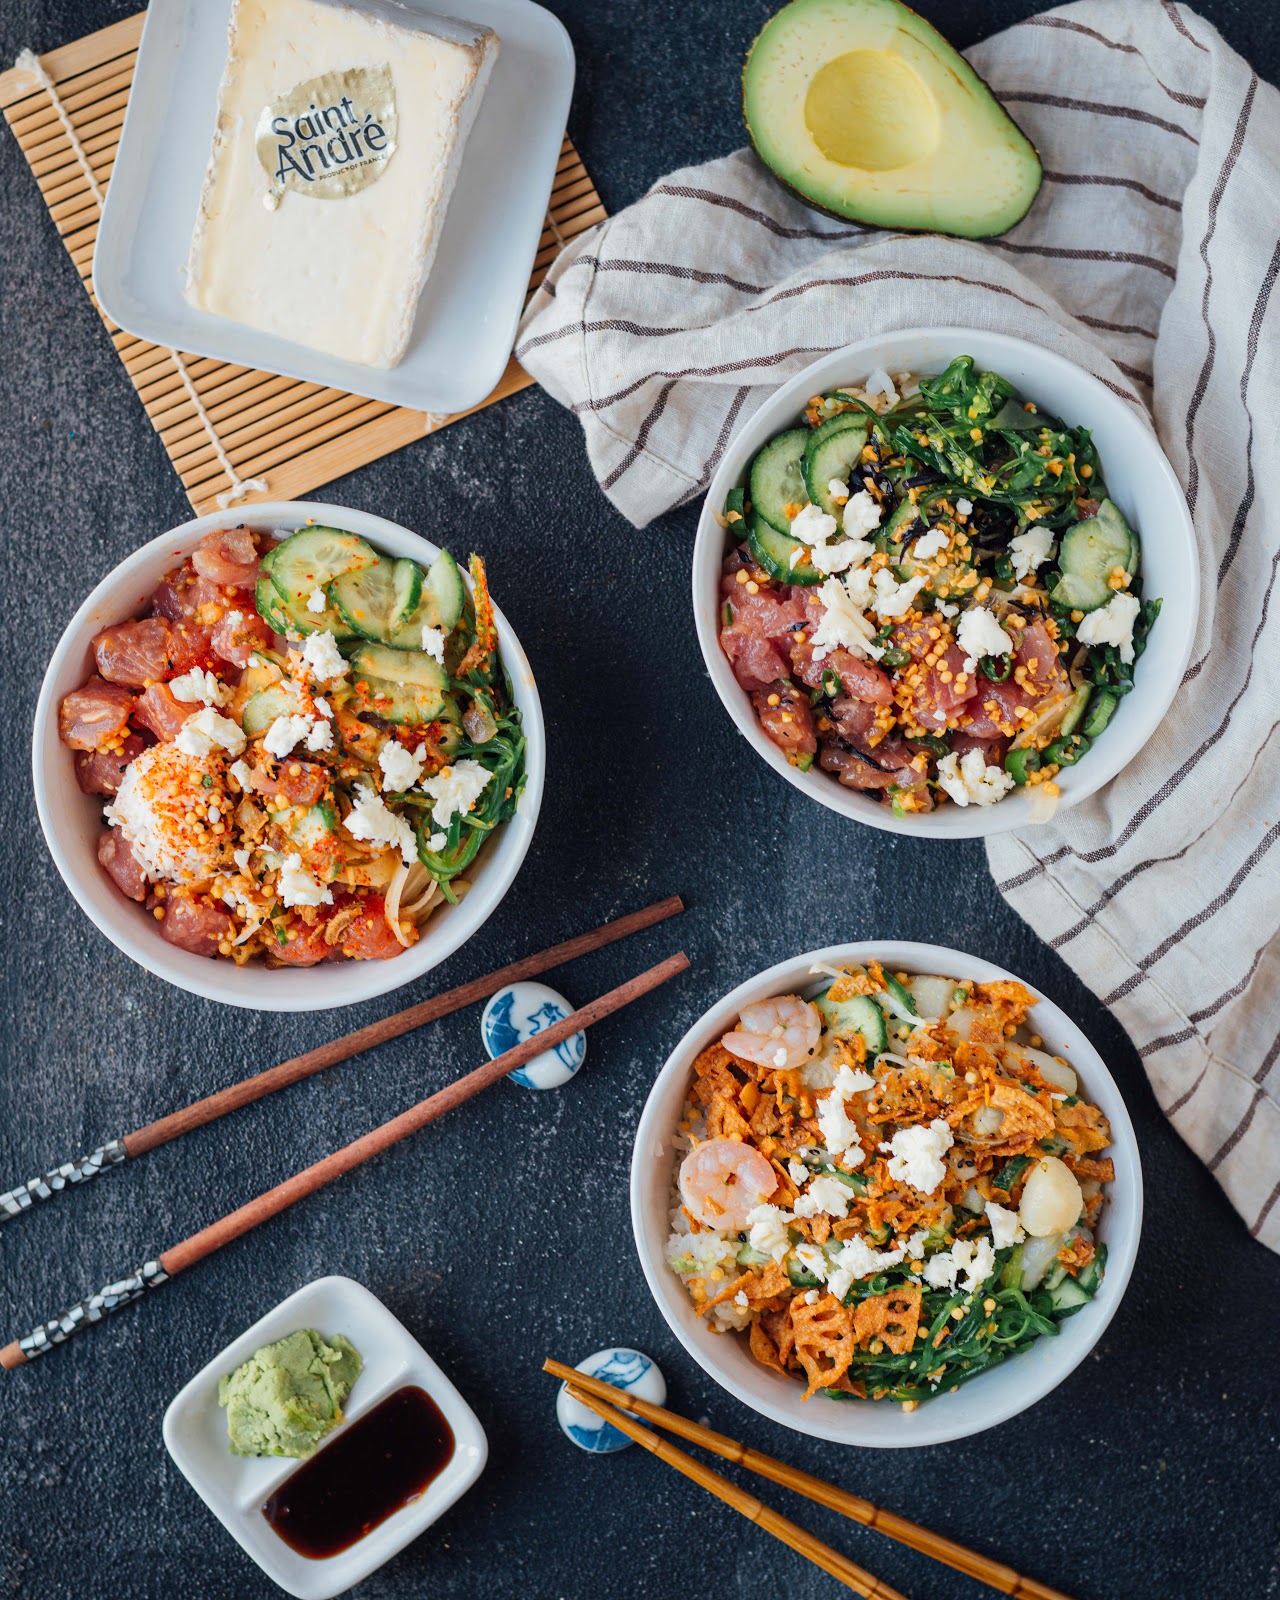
x: 866, y: 112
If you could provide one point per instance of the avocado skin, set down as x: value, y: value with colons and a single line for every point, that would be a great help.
x: 850, y: 216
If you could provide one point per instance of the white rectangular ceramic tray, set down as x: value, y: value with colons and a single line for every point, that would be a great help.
x: 467, y: 317
x: 234, y: 1487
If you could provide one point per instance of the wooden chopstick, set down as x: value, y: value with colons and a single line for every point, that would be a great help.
x: 185, y: 1254
x: 840, y: 1567
x: 73, y: 1173
x: 959, y: 1556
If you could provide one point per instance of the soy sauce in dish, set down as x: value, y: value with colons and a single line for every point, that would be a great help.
x: 369, y: 1471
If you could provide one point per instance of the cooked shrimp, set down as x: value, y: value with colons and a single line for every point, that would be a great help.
x: 722, y: 1180
x: 782, y: 1032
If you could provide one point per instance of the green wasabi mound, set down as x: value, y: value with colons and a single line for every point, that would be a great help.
x: 288, y: 1395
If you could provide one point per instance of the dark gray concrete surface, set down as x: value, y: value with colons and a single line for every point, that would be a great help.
x: 502, y: 1234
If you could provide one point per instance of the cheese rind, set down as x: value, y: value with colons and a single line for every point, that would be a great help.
x: 340, y: 275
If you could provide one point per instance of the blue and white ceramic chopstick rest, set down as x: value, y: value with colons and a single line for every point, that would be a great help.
x: 624, y: 1369
x: 517, y: 1013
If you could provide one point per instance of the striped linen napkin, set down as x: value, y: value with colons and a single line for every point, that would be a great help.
x: 1149, y: 258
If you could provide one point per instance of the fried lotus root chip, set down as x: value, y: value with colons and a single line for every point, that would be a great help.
x: 760, y: 1287
x: 764, y: 1349
x: 1103, y: 1171
x: 777, y: 1324
x: 892, y: 1318
x: 825, y: 1341
x: 725, y: 1121
x: 1026, y: 1116
x: 713, y: 1075
x: 1076, y: 1255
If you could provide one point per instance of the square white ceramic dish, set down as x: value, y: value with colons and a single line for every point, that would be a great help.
x: 467, y: 317
x: 234, y: 1487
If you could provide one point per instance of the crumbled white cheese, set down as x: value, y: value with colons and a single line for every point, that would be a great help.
x: 1112, y: 624
x: 437, y: 841
x: 946, y: 610
x: 320, y: 652
x: 839, y: 1131
x: 915, y: 1243
x: 840, y: 556
x: 812, y: 1260
x: 371, y: 821
x: 740, y: 1299
x: 797, y: 1171
x: 964, y: 508
x: 970, y: 781
x: 893, y: 599
x: 321, y: 735
x: 1005, y: 1227
x: 242, y: 858
x: 931, y: 544
x: 1029, y: 550
x: 206, y: 732
x: 843, y: 625
x: 861, y: 515
x: 838, y: 489
x: 857, y: 1259
x: 243, y: 775
x: 768, y: 1231
x: 316, y: 601
x: 879, y: 386
x: 825, y: 1194
x: 298, y: 887
x: 456, y: 789
x: 812, y: 1297
x: 433, y: 643
x: 780, y: 1056
x: 813, y: 525
x: 851, y: 1080
x: 199, y: 685
x: 287, y: 731
x: 980, y: 634
x: 915, y: 1155
x: 401, y: 768
x: 974, y: 1258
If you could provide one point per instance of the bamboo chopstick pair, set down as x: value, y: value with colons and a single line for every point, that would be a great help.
x: 612, y: 1405
x: 185, y: 1254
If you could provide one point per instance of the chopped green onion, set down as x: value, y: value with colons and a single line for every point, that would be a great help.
x: 991, y: 667
x: 1021, y: 763
x: 1066, y: 752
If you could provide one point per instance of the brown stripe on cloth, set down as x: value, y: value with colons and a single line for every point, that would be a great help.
x: 1195, y: 100
x: 1103, y: 180
x: 1098, y: 108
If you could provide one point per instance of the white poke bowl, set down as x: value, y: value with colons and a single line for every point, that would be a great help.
x: 1139, y: 479
x: 985, y: 1401
x: 72, y: 821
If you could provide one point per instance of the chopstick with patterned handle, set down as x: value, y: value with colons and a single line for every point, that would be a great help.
x: 822, y: 1555
x: 951, y: 1554
x: 57, y: 1179
x: 181, y: 1256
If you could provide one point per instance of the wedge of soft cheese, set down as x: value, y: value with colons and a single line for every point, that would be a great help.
x: 339, y: 135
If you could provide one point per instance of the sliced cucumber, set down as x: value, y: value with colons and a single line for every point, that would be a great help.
x: 777, y: 477
x: 747, y: 1257
x: 832, y: 452
x: 1066, y: 1297
x: 406, y: 584
x: 773, y: 550
x: 1090, y: 552
x: 800, y: 1277
x: 860, y: 1015
x: 364, y: 599
x: 735, y: 509
x: 900, y: 993
x: 1091, y: 1276
x: 313, y: 826
x: 1101, y: 710
x: 404, y: 686
x: 311, y: 558
x: 443, y: 600
x: 262, y: 709
x: 272, y: 609
x: 1074, y: 711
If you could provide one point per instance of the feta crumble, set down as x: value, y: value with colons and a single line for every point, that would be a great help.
x: 826, y: 1195
x: 879, y: 386
x: 843, y: 625
x: 401, y: 768
x: 433, y: 643
x: 298, y: 887
x: 931, y: 544
x: 839, y: 1131
x: 1005, y: 1227
x: 812, y: 1260
x: 206, y: 732
x: 980, y: 634
x: 199, y: 685
x: 812, y: 525
x: 964, y: 508
x: 839, y: 557
x: 1029, y: 550
x: 456, y: 789
x: 243, y: 774
x: 1112, y: 624
x: 892, y: 599
x: 861, y: 515
x: 857, y: 1259
x: 316, y: 601
x: 296, y: 728
x: 970, y: 781
x: 797, y: 1172
x: 371, y: 821
x: 437, y: 841
x: 768, y: 1231
x: 320, y: 652
x: 915, y: 1155
x: 838, y: 489
x: 975, y: 1259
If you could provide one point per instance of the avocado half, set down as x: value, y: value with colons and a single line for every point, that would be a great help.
x: 867, y: 113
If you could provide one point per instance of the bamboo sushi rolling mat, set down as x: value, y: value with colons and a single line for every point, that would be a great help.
x: 294, y: 435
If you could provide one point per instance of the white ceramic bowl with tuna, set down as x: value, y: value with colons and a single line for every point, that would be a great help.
x: 72, y: 821
x: 1139, y: 480
x: 989, y: 1399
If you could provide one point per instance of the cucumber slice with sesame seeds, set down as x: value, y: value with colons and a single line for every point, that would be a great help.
x: 777, y: 477
x: 405, y: 686
x: 861, y: 1015
x: 262, y: 709
x: 364, y: 599
x: 833, y: 452
x: 441, y: 604
x: 309, y: 559
x: 773, y: 552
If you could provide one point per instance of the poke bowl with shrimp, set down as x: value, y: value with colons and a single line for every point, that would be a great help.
x: 307, y: 739
x: 919, y: 595
x: 885, y: 1195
